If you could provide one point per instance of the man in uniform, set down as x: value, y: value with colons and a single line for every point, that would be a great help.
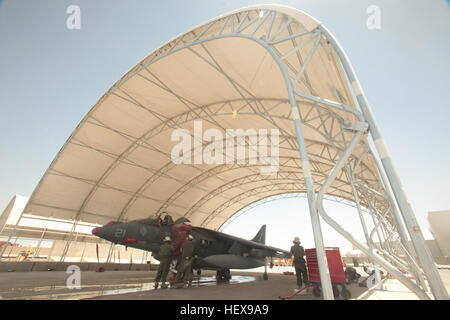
x: 351, y: 275
x: 165, y: 257
x: 187, y: 258
x: 299, y: 262
x: 167, y: 219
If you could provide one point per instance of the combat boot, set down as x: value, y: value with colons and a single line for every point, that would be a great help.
x: 156, y: 285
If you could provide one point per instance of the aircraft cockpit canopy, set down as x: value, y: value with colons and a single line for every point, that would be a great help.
x: 158, y: 221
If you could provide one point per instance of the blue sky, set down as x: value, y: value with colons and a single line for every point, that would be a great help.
x: 50, y: 77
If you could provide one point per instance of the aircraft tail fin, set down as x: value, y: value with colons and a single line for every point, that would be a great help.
x: 261, y: 235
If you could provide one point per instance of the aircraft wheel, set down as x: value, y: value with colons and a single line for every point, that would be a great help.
x: 265, y: 276
x: 316, y: 291
x: 220, y: 275
x: 227, y: 275
x: 223, y: 275
x: 199, y: 272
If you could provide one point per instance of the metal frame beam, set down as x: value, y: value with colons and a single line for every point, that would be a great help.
x: 316, y: 113
x: 426, y: 260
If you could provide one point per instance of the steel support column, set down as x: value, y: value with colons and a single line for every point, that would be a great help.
x: 411, y: 285
x: 82, y: 253
x: 110, y: 252
x: 38, y: 247
x: 68, y: 241
x: 315, y: 220
x: 358, y: 207
x: 423, y: 253
x: 410, y: 252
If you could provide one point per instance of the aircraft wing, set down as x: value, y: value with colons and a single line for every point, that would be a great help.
x: 249, y: 244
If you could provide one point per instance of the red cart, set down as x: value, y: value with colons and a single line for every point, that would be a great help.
x: 336, y: 268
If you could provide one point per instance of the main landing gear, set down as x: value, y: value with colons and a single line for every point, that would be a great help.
x: 223, y: 275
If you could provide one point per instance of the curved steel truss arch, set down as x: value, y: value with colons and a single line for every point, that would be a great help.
x: 323, y: 117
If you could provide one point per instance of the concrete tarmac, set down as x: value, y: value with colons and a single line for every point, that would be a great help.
x: 138, y: 285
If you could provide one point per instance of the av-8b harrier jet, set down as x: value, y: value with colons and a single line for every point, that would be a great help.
x: 213, y: 250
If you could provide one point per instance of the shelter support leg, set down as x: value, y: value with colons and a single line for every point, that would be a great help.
x: 315, y: 220
x: 82, y: 254
x: 374, y: 220
x: 410, y: 252
x: 423, y: 253
x: 68, y: 241
x: 110, y: 252
x: 358, y: 208
x: 38, y: 247
x: 390, y: 256
x: 378, y: 259
x: 375, y: 257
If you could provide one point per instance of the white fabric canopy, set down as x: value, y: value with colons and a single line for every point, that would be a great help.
x: 117, y: 163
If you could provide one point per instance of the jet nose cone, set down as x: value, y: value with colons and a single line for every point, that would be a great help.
x: 94, y: 231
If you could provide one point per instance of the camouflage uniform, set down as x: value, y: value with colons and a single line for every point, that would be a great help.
x: 185, y: 269
x: 300, y: 265
x: 165, y: 257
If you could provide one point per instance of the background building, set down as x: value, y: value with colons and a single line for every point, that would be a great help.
x: 440, y: 228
